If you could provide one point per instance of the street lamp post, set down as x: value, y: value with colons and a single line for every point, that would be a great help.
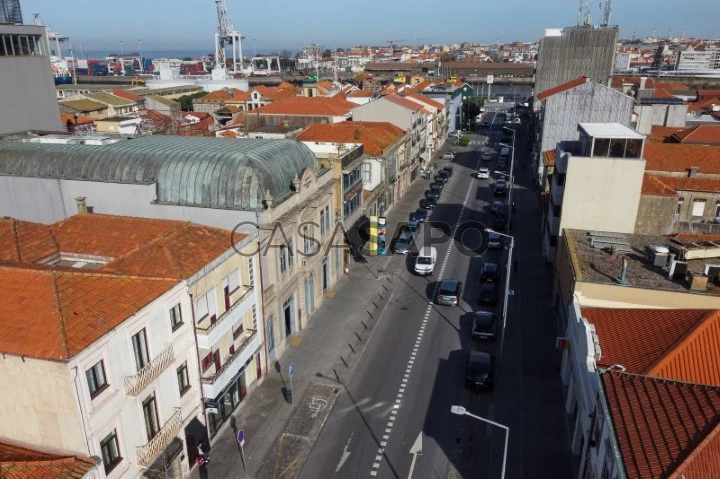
x: 512, y: 165
x: 507, y: 285
x: 140, y: 53
x: 461, y: 411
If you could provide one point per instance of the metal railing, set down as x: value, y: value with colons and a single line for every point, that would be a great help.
x: 135, y: 384
x: 146, y: 454
x: 233, y: 307
x: 231, y: 359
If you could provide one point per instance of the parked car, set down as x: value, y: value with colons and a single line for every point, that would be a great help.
x: 404, y: 242
x: 449, y: 170
x: 449, y: 292
x: 482, y: 173
x: 486, y: 156
x: 496, y: 205
x: 414, y: 228
x: 425, y: 261
x: 490, y: 273
x: 444, y: 175
x: 420, y: 216
x: 501, y: 183
x: 430, y: 202
x: 502, y: 166
x: 479, y: 370
x: 495, y: 240
x: 483, y: 326
x: 488, y: 293
x: 448, y: 155
x: 438, y: 182
x: 435, y: 190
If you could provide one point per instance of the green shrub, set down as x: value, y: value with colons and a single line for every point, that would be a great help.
x: 464, y: 141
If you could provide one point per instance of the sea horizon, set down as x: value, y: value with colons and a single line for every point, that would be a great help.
x: 155, y: 54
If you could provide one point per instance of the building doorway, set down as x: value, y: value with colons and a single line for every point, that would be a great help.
x: 289, y: 313
x: 271, y: 339
x: 325, y: 273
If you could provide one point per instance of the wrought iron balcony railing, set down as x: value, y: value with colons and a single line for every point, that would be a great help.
x: 248, y: 336
x: 146, y: 454
x: 135, y: 384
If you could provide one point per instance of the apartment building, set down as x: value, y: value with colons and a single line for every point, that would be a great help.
x: 436, y: 114
x: 404, y: 114
x: 298, y: 110
x: 596, y: 184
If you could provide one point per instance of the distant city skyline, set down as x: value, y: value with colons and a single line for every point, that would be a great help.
x: 99, y: 25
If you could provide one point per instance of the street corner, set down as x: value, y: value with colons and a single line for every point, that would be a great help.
x: 313, y: 410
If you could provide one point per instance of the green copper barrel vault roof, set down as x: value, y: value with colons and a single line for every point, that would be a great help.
x: 189, y: 171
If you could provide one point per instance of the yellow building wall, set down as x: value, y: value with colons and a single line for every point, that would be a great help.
x: 38, y: 404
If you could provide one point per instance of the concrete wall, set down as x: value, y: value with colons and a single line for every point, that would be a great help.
x: 253, y: 120
x: 579, y: 51
x: 28, y: 99
x: 588, y: 103
x: 46, y: 201
x: 656, y: 215
x: 666, y: 115
x: 38, y: 404
x: 384, y: 110
x: 615, y: 296
x: 602, y: 194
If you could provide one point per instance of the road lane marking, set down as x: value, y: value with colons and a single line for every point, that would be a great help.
x: 345, y: 455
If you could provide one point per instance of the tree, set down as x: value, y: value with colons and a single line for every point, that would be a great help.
x: 658, y: 58
x: 471, y: 107
x: 327, y: 54
x: 186, y: 100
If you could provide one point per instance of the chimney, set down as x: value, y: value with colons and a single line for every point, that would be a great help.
x: 623, y: 276
x: 693, y: 171
x: 643, y: 80
x: 268, y: 199
x: 81, y: 205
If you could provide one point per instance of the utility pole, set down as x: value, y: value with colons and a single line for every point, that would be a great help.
x: 141, y: 57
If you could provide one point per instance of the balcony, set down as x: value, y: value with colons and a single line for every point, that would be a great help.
x: 146, y: 454
x: 210, y: 335
x: 135, y: 384
x: 214, y: 384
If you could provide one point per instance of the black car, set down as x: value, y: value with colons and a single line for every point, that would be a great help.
x: 483, y: 326
x: 490, y: 273
x: 500, y: 221
x: 449, y: 170
x: 499, y: 192
x: 439, y: 183
x: 479, y: 370
x: 435, y: 190
x: 420, y: 216
x: 444, y: 175
x: 488, y: 293
x: 430, y: 202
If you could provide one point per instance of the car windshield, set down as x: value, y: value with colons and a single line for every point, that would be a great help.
x: 448, y: 289
x: 403, y: 240
x: 479, y: 369
x: 424, y: 260
x: 483, y: 322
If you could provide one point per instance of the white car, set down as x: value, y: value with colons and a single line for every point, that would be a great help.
x: 448, y: 156
x: 486, y: 156
x: 482, y: 173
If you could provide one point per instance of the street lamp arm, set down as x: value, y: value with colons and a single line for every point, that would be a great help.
x: 490, y: 230
x: 487, y: 421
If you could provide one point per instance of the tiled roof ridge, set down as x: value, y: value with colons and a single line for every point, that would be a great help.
x: 714, y: 434
x: 69, y: 270
x: 58, y: 314
x: 562, y: 87
x: 13, y: 225
x: 655, y: 179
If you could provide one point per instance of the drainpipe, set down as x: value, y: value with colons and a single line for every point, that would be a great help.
x: 262, y: 312
x: 82, y: 413
x: 199, y: 367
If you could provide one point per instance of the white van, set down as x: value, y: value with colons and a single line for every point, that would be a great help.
x: 425, y: 261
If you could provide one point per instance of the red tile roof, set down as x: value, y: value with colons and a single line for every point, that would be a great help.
x: 654, y: 186
x: 650, y: 83
x: 700, y: 134
x: 69, y: 310
x: 375, y: 136
x: 127, y: 95
x: 81, y: 120
x: 704, y: 94
x: 664, y: 428
x: 428, y: 101
x: 644, y: 340
x: 404, y: 102
x: 18, y: 462
x: 676, y: 157
x: 25, y: 241
x: 561, y: 88
x: 303, y: 106
x: 361, y: 93
x: 690, y: 184
x: 662, y: 132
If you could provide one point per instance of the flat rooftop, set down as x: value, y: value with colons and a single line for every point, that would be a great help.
x: 610, y: 130
x: 599, y: 265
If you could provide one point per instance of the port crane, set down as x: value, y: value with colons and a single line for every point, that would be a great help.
x: 226, y: 35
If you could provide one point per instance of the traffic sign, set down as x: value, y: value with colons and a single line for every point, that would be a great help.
x: 241, y: 437
x: 511, y: 292
x: 291, y: 369
x: 490, y: 79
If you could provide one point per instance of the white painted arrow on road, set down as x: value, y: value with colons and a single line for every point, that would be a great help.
x: 415, y: 450
x: 345, y: 455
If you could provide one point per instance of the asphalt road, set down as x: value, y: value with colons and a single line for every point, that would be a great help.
x: 412, y: 370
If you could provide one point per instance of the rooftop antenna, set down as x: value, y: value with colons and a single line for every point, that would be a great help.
x: 634, y: 30
x: 682, y: 34
x: 580, y: 13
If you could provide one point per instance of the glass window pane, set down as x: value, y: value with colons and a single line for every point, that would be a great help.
x: 633, y: 149
x: 617, y: 148
x: 602, y: 146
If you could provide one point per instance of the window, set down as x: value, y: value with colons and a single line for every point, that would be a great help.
x: 140, y: 350
x: 698, y: 208
x: 176, y: 317
x: 110, y: 451
x: 205, y: 307
x: 291, y: 253
x: 183, y: 379
x: 152, y: 423
x: 230, y: 284
x: 322, y: 222
x: 238, y: 330
x: 97, y: 382
x: 678, y: 207
x: 327, y: 217
x: 560, y: 178
x: 367, y: 172
x: 717, y: 210
x: 283, y: 259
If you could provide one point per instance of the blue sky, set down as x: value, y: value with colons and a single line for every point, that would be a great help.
x: 276, y: 24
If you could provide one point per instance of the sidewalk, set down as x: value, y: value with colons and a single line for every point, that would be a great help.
x: 279, y: 435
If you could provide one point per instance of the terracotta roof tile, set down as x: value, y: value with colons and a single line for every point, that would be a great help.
x: 700, y: 134
x: 17, y: 462
x: 127, y: 95
x: 659, y: 424
x: 423, y: 99
x: 69, y: 310
x: 650, y: 83
x: 676, y: 157
x: 81, y: 120
x: 639, y: 339
x: 561, y: 88
x: 375, y: 136
x: 304, y: 106
x: 549, y: 158
x: 361, y: 93
x: 663, y: 132
x: 690, y: 184
x: 25, y: 241
x: 708, y: 94
x: 404, y: 102
x: 654, y: 186
x: 228, y: 134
